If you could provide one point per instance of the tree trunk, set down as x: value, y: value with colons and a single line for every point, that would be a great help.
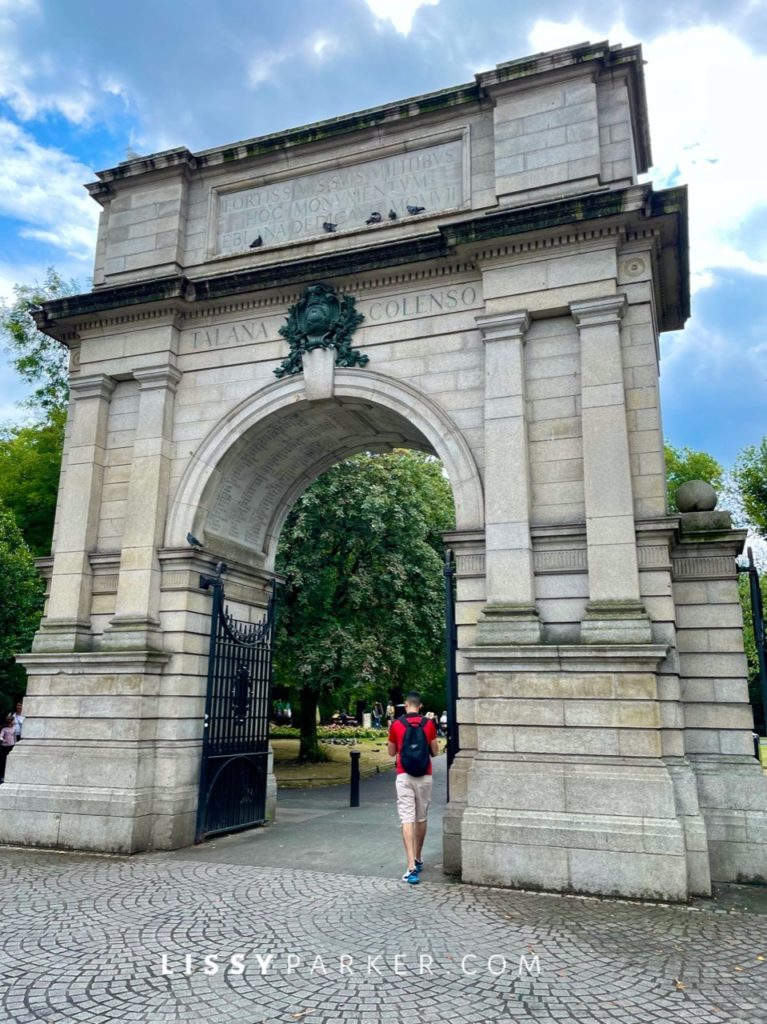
x: 310, y: 747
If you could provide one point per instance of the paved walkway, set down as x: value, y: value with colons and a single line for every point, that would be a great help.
x: 293, y: 938
x: 316, y: 828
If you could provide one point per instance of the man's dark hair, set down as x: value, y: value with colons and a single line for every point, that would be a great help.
x: 414, y: 697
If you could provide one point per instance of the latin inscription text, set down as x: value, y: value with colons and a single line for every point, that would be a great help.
x: 290, y: 210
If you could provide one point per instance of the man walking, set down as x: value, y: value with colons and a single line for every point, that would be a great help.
x: 413, y: 739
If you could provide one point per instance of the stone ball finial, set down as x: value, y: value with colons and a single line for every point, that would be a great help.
x: 696, y: 496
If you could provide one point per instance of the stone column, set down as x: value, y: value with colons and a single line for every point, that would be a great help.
x: 510, y: 615
x: 67, y: 625
x: 136, y: 622
x: 614, y: 613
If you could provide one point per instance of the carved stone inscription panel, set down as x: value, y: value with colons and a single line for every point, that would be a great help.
x: 385, y: 309
x: 346, y: 197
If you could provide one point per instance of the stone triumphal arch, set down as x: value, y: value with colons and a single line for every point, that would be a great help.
x: 477, y: 273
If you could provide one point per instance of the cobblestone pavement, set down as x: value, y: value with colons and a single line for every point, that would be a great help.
x: 88, y: 940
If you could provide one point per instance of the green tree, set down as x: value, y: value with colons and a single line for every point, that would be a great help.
x: 30, y: 453
x: 683, y: 464
x: 750, y: 473
x: 30, y: 461
x: 39, y: 360
x: 361, y: 614
x: 21, y: 605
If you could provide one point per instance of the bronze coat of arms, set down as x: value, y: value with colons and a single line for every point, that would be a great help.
x: 320, y: 319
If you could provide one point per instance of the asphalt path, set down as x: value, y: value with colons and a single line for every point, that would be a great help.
x: 317, y: 830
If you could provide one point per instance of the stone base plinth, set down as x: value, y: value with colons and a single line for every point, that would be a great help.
x: 733, y: 801
x: 95, y: 771
x: 568, y: 789
x: 571, y: 824
x: 569, y: 852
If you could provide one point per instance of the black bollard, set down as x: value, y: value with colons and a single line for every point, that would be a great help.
x: 354, y: 789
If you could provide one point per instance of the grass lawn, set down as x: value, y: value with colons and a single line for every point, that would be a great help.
x: 334, y: 772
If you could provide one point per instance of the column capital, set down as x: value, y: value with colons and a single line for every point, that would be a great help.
x: 163, y: 376
x: 504, y: 326
x: 95, y: 385
x: 599, y: 312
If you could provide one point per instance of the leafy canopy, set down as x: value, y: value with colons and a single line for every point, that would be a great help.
x: 39, y: 360
x: 21, y: 605
x: 30, y: 454
x: 30, y: 461
x: 750, y: 473
x: 362, y: 612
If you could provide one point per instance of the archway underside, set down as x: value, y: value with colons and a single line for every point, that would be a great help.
x: 254, y: 486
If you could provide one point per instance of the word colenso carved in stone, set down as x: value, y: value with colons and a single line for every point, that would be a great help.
x: 320, y: 319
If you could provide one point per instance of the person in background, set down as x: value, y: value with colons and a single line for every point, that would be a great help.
x: 378, y: 713
x: 7, y: 740
x: 18, y: 720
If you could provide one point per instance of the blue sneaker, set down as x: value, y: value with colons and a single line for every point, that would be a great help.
x: 418, y: 866
x: 411, y: 877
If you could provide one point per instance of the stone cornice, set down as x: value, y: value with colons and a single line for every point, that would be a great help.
x: 567, y: 657
x: 633, y: 205
x: 95, y: 662
x: 509, y: 75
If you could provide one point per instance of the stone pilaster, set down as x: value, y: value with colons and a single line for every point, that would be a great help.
x: 732, y: 788
x: 614, y: 613
x: 67, y: 625
x: 510, y: 615
x: 136, y: 620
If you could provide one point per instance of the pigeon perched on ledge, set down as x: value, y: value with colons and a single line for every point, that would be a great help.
x: 327, y: 226
x: 392, y: 214
x: 256, y: 242
x: 374, y: 218
x: 413, y: 210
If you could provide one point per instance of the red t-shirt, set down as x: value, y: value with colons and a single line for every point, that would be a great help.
x: 397, y: 735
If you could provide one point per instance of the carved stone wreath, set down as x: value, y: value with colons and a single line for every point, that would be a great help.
x: 320, y: 319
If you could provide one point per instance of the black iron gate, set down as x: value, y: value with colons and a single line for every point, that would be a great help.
x: 760, y: 630
x: 235, y: 747
x: 451, y: 678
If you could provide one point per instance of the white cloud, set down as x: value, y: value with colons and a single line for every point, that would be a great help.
x: 43, y: 188
x: 260, y: 68
x: 399, y: 12
x: 33, y: 83
x: 703, y: 89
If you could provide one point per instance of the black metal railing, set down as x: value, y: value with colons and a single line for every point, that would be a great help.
x: 757, y: 615
x: 235, y: 748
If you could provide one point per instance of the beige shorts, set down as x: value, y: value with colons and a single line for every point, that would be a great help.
x: 413, y: 797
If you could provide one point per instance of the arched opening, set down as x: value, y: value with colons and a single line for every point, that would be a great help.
x: 255, y: 462
x: 252, y: 468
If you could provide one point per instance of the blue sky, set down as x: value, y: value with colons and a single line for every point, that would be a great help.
x: 81, y: 82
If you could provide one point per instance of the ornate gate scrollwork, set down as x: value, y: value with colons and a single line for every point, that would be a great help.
x: 235, y: 748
